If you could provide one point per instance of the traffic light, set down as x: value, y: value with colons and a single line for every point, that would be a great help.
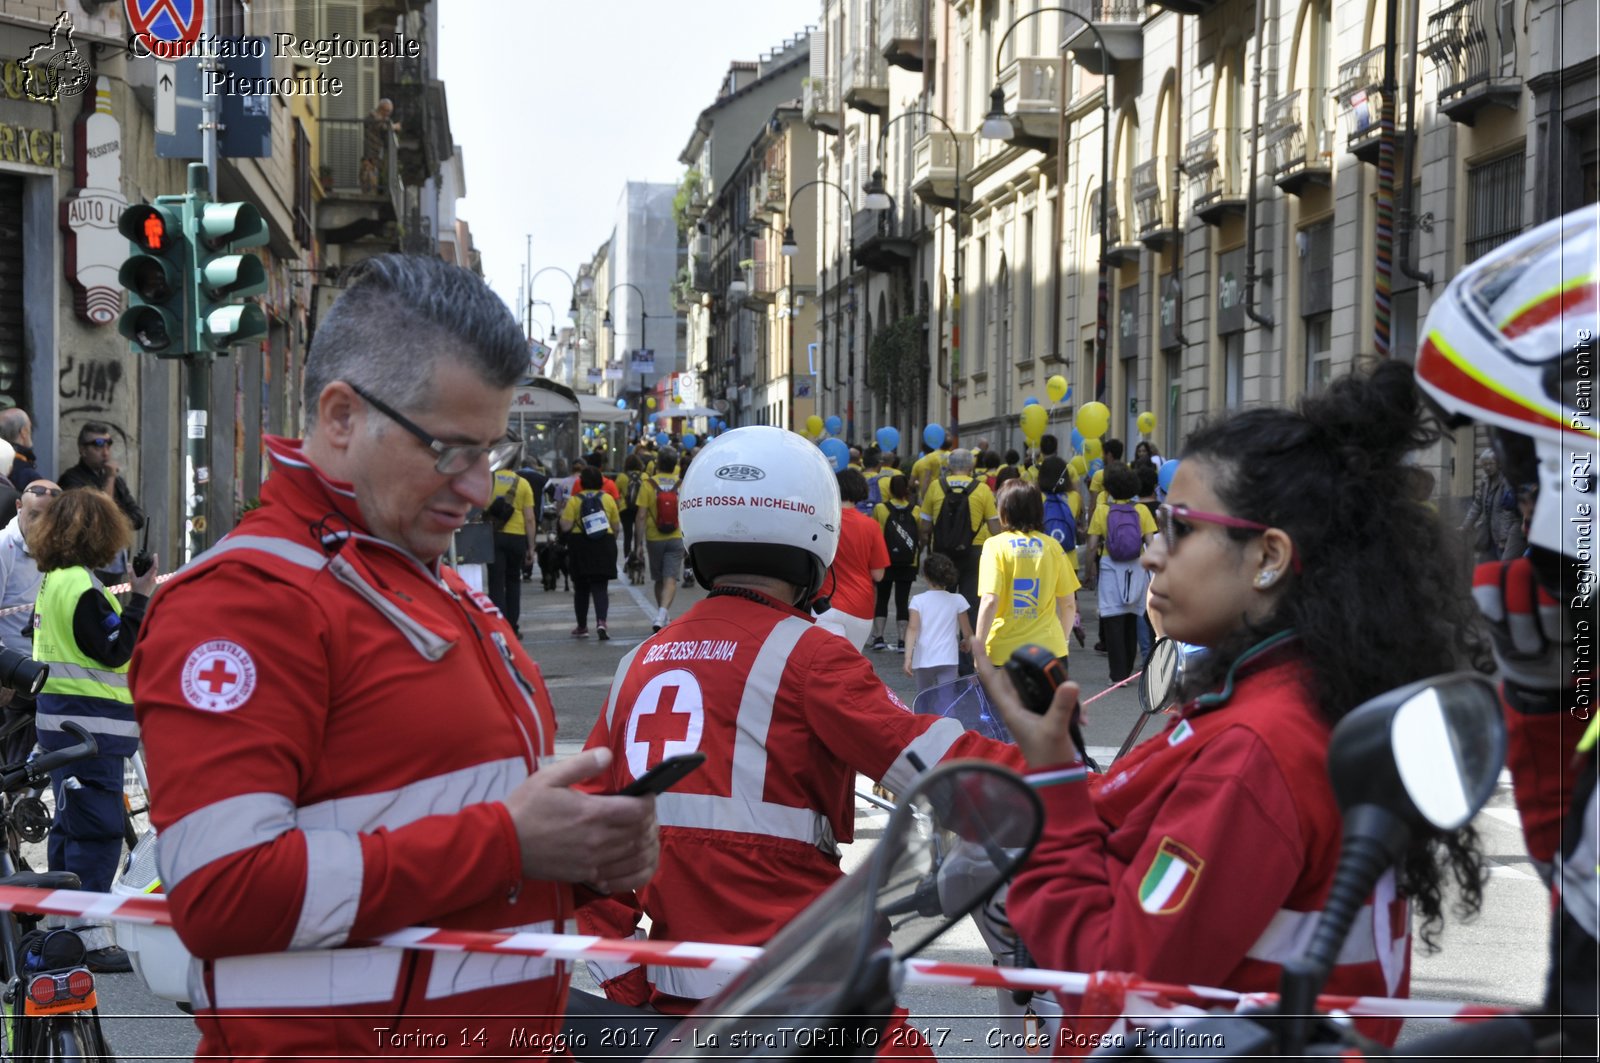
x: 221, y: 275
x: 155, y: 275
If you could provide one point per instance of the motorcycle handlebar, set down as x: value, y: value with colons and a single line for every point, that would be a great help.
x: 36, y: 772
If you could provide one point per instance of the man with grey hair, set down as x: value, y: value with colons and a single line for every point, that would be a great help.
x: 16, y: 428
x: 345, y: 739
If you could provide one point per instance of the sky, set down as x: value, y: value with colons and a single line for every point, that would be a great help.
x: 582, y: 97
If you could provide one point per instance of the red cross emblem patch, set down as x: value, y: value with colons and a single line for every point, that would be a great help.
x: 219, y: 676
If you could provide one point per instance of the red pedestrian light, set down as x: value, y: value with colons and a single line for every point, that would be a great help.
x: 155, y: 232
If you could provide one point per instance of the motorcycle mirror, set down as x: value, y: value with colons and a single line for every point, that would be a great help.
x: 1428, y: 754
x: 1424, y: 756
x: 1159, y: 684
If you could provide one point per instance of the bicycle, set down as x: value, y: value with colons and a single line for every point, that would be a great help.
x: 50, y: 1008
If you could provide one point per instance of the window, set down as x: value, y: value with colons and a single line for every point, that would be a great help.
x: 1319, y: 352
x: 1233, y: 370
x: 1002, y: 313
x: 302, y: 186
x: 1494, y: 204
x: 985, y: 315
x: 1025, y: 281
x: 1174, y: 409
x: 230, y: 18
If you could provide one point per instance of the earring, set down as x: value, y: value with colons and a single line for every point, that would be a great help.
x: 1267, y: 578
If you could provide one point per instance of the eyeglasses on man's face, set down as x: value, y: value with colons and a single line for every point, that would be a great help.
x: 453, y: 459
x: 43, y: 492
x: 97, y: 442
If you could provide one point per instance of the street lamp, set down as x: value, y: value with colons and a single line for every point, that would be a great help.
x: 878, y: 199
x: 789, y: 249
x: 996, y: 126
x: 606, y: 321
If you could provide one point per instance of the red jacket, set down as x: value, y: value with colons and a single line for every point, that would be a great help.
x: 788, y: 714
x: 328, y: 743
x: 862, y: 548
x: 1206, y: 855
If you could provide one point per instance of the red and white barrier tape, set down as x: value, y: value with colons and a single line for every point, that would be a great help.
x: 151, y: 910
x: 118, y: 589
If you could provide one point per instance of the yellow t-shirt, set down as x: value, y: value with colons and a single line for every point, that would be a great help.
x: 1102, y: 511
x: 1026, y: 572
x: 607, y: 503
x: 981, y: 500
x: 930, y: 463
x: 508, y: 484
x: 623, y: 479
x: 647, y: 506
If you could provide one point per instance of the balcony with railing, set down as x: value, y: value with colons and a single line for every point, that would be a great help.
x: 865, y: 82
x: 1032, y: 87
x: 900, y: 33
x: 1151, y: 202
x: 1188, y: 7
x: 1214, y: 187
x: 1299, y: 145
x: 878, y: 241
x: 1120, y: 245
x: 359, y: 169
x: 935, y: 163
x: 1360, y: 96
x: 1472, y: 45
x: 1119, y: 25
x: 819, y: 104
x: 763, y: 280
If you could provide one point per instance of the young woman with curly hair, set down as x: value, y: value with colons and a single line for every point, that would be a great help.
x: 1299, y: 547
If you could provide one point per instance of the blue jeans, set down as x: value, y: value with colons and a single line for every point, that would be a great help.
x: 86, y: 837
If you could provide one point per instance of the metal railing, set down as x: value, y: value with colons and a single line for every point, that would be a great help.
x: 348, y: 165
x: 819, y: 102
x: 1468, y: 45
x: 898, y: 20
x: 1149, y: 199
x: 1108, y: 10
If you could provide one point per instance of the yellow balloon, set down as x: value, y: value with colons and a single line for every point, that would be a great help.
x: 813, y: 425
x: 1147, y: 422
x: 1079, y: 466
x: 649, y: 404
x: 1056, y: 388
x: 1092, y: 449
x: 1034, y: 419
x: 1093, y: 419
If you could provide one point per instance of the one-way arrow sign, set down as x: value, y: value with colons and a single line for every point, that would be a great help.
x: 166, y: 98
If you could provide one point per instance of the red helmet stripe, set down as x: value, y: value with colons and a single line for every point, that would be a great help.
x: 1577, y: 297
x: 1440, y: 366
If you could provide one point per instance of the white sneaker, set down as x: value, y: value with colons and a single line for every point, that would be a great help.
x: 661, y: 618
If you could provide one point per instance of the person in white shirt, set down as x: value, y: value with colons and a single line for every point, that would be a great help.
x: 19, y: 586
x: 939, y: 630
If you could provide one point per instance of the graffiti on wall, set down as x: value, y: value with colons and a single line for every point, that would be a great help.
x: 89, y: 385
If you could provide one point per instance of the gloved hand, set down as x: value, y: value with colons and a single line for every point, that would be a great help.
x: 1525, y: 625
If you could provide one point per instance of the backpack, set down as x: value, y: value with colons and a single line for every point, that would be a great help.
x: 666, y: 507
x: 1059, y: 523
x: 1124, y: 540
x: 874, y: 496
x: 592, y: 516
x: 952, y: 532
x: 900, y: 535
x: 634, y: 480
x: 500, y: 508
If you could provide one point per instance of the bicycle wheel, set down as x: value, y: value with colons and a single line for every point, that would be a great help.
x: 67, y: 1040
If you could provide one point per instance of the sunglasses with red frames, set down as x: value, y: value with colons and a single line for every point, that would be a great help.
x: 1171, y: 521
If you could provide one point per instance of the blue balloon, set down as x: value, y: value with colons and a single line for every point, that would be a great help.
x: 622, y: 404
x: 1095, y: 466
x: 933, y: 435
x: 1030, y: 401
x: 689, y: 440
x: 1068, y: 396
x: 1077, y: 441
x: 888, y: 438
x: 662, y: 439
x: 1164, y: 475
x: 834, y: 424
x: 836, y: 452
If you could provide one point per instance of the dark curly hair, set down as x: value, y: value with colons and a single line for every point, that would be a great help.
x: 1379, y: 601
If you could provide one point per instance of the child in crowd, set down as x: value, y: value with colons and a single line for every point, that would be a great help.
x: 939, y: 631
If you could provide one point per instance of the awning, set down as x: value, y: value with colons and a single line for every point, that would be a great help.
x: 690, y: 411
x: 595, y: 408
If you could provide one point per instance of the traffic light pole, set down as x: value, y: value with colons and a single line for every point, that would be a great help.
x: 197, y: 427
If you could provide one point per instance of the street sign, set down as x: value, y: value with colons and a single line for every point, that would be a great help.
x: 183, y: 140
x: 166, y: 99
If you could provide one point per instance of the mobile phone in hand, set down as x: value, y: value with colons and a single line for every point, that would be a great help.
x: 663, y: 775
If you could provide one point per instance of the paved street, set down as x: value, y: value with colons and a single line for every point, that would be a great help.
x: 1497, y: 959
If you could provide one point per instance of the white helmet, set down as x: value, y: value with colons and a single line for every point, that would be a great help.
x: 1510, y: 344
x: 761, y: 501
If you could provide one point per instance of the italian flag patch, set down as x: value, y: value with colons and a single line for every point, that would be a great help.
x: 1171, y: 878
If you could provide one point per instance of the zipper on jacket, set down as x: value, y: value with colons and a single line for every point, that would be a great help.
x: 526, y: 688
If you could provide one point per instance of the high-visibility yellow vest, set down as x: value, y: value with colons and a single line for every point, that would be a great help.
x: 73, y: 672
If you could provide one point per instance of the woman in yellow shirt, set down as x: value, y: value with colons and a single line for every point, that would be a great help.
x: 591, y: 523
x: 1025, y: 585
